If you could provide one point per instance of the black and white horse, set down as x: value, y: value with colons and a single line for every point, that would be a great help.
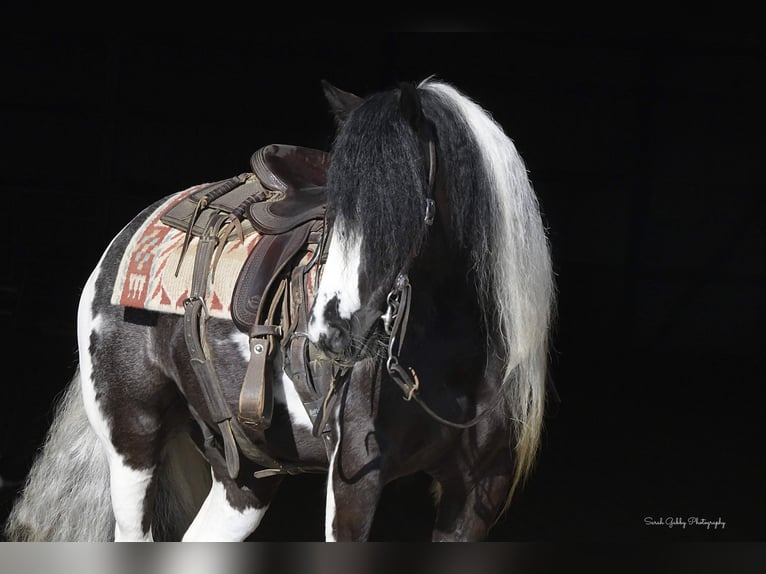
x: 435, y: 301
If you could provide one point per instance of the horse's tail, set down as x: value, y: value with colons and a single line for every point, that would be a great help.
x: 66, y: 494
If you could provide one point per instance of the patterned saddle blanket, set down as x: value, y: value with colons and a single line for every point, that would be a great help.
x: 150, y: 276
x: 147, y: 274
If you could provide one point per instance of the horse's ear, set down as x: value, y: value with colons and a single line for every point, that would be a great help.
x: 410, y: 106
x: 341, y: 103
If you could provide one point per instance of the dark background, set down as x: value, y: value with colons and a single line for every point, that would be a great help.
x: 646, y: 149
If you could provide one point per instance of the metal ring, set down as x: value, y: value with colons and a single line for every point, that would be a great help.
x: 430, y: 211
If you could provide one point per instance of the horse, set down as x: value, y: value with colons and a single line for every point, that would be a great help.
x: 432, y: 314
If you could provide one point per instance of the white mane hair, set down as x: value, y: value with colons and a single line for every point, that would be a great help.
x: 515, y: 270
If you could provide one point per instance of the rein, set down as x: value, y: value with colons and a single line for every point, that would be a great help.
x: 397, y: 317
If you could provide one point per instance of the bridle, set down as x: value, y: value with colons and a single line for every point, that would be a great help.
x: 397, y: 315
x: 399, y: 300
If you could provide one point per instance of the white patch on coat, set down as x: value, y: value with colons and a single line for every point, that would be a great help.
x: 87, y: 324
x: 218, y: 521
x: 128, y: 486
x: 242, y: 342
x: 340, y: 278
x: 298, y: 416
x: 330, y: 507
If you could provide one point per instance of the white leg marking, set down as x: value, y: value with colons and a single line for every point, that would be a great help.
x: 218, y: 521
x: 330, y: 510
x: 242, y: 343
x: 128, y: 488
x: 340, y: 278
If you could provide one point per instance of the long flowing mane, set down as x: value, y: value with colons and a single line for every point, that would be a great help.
x: 511, y: 256
x: 494, y: 214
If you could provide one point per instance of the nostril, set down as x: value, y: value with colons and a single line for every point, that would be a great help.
x: 335, y: 339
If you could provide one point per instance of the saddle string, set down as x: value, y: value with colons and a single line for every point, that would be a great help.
x: 215, y: 191
x: 234, y: 224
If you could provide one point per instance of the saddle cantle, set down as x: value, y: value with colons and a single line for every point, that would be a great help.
x: 286, y: 185
x: 299, y: 174
x: 283, y: 199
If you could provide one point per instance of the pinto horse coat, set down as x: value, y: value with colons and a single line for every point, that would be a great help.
x: 423, y: 184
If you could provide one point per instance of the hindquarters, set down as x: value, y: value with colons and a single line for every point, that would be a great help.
x: 118, y: 446
x: 139, y: 391
x: 67, y: 496
x: 134, y: 406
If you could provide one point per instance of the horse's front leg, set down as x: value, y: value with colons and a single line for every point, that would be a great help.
x: 355, y: 476
x: 232, y: 510
x: 471, y: 494
x: 354, y: 486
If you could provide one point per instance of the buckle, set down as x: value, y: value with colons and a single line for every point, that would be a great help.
x: 430, y: 211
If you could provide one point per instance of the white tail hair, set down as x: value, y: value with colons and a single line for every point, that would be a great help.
x: 518, y: 273
x: 66, y: 495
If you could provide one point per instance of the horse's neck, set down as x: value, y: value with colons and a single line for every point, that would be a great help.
x: 446, y: 340
x: 444, y: 292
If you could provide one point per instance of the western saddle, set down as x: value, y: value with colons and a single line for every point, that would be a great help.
x: 283, y: 199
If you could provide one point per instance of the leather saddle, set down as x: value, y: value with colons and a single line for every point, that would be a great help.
x: 278, y: 199
x: 283, y: 198
x: 299, y: 174
x: 285, y: 189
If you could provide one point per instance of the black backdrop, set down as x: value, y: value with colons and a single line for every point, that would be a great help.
x: 645, y: 150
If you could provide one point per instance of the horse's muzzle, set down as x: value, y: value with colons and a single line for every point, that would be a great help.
x: 335, y: 341
x: 346, y: 341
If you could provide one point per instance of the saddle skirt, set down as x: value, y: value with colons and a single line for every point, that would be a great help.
x: 147, y: 279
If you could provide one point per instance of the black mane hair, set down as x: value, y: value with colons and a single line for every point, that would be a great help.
x: 493, y: 236
x: 378, y: 181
